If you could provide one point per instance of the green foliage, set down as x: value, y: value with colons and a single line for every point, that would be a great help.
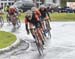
x: 63, y: 16
x: 6, y: 39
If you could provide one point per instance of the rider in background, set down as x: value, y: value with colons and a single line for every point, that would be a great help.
x: 11, y: 11
x: 44, y: 12
x: 44, y: 15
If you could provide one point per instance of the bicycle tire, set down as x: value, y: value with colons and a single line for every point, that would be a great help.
x: 40, y: 48
x: 48, y: 29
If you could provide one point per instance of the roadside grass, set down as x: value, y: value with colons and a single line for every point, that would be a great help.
x: 6, y: 39
x: 54, y: 16
x: 63, y: 16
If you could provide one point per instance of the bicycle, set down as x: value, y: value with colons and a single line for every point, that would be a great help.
x: 38, y: 40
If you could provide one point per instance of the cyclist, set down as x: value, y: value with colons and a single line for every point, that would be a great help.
x: 12, y: 10
x: 33, y: 20
x: 44, y: 16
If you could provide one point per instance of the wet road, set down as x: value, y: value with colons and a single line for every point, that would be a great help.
x: 60, y: 46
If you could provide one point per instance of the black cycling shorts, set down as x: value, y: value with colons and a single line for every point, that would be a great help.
x: 42, y: 18
x: 38, y: 24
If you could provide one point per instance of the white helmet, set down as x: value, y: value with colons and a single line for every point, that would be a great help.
x: 12, y: 6
x: 33, y: 9
x: 42, y: 6
x: 29, y: 13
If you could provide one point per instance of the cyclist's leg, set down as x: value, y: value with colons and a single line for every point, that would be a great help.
x: 39, y: 31
x: 40, y: 36
x: 38, y: 42
x: 32, y: 30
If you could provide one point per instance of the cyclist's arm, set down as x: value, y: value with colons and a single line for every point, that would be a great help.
x: 47, y: 12
x: 26, y: 24
x: 48, y: 15
x: 38, y: 13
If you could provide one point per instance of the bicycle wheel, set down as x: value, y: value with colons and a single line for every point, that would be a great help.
x: 48, y: 28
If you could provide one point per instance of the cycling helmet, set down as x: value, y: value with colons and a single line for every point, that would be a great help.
x: 12, y: 6
x: 42, y: 6
x: 33, y: 9
x: 29, y: 14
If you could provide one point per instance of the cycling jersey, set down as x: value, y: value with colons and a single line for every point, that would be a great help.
x: 37, y: 12
x: 44, y: 13
x: 11, y: 11
x: 34, y: 21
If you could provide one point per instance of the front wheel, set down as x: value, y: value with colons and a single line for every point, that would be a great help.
x: 48, y: 28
